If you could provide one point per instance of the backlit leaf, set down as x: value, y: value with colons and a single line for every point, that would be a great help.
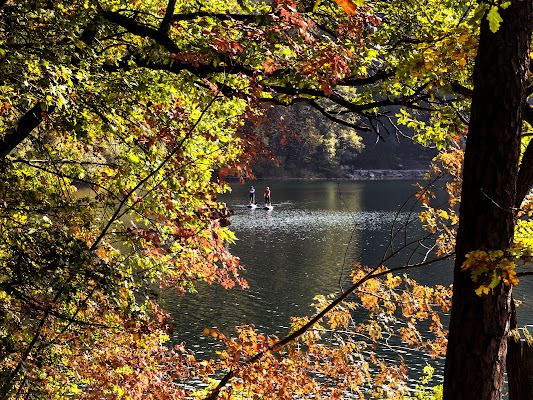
x: 494, y: 19
x: 349, y: 6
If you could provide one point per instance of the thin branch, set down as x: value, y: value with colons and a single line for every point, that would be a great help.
x: 145, y: 179
x: 134, y: 27
x: 6, y: 387
x: 361, y: 109
x: 377, y: 77
x: 186, y: 137
x: 340, y: 121
x: 293, y: 336
x: 357, y: 334
x: 65, y: 161
x: 174, y: 66
x: 223, y: 17
x: 73, y: 178
x: 322, y: 110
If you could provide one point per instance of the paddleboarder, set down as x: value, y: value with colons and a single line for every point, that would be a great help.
x: 252, y: 196
x: 267, y: 197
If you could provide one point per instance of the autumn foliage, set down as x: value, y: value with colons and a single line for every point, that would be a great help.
x: 339, y: 355
x: 120, y: 122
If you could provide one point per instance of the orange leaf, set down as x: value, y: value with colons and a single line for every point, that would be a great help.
x: 347, y: 5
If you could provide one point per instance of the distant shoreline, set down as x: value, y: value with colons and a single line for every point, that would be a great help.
x: 361, y: 175
x: 386, y: 174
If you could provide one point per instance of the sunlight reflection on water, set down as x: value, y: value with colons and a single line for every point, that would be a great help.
x: 314, y: 220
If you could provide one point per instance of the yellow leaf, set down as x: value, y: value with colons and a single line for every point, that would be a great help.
x: 443, y: 214
x: 482, y: 290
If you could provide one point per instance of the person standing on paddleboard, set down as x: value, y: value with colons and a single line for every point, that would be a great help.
x: 267, y: 197
x: 252, y: 195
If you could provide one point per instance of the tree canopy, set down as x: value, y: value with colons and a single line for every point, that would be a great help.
x: 119, y: 122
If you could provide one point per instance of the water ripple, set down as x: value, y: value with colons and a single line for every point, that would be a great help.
x: 296, y: 220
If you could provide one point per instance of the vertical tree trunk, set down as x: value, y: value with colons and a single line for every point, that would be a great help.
x: 520, y: 366
x: 479, y: 326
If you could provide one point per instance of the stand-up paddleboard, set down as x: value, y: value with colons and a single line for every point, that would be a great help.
x: 251, y: 206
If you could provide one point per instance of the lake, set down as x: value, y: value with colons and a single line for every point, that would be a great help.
x: 304, y: 247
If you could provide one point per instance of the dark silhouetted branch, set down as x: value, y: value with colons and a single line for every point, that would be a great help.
x: 30, y: 120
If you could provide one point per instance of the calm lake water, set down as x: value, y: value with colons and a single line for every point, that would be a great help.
x: 304, y: 247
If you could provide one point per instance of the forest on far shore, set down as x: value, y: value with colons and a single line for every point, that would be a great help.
x: 306, y: 145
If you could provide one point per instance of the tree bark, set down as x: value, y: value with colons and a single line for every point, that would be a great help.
x: 520, y: 366
x: 479, y: 325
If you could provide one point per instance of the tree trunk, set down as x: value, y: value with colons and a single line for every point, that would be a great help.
x: 520, y: 366
x: 479, y: 326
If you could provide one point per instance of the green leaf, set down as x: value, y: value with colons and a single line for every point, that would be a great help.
x: 505, y: 5
x: 494, y: 19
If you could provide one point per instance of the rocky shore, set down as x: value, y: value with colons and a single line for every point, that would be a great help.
x: 387, y: 174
